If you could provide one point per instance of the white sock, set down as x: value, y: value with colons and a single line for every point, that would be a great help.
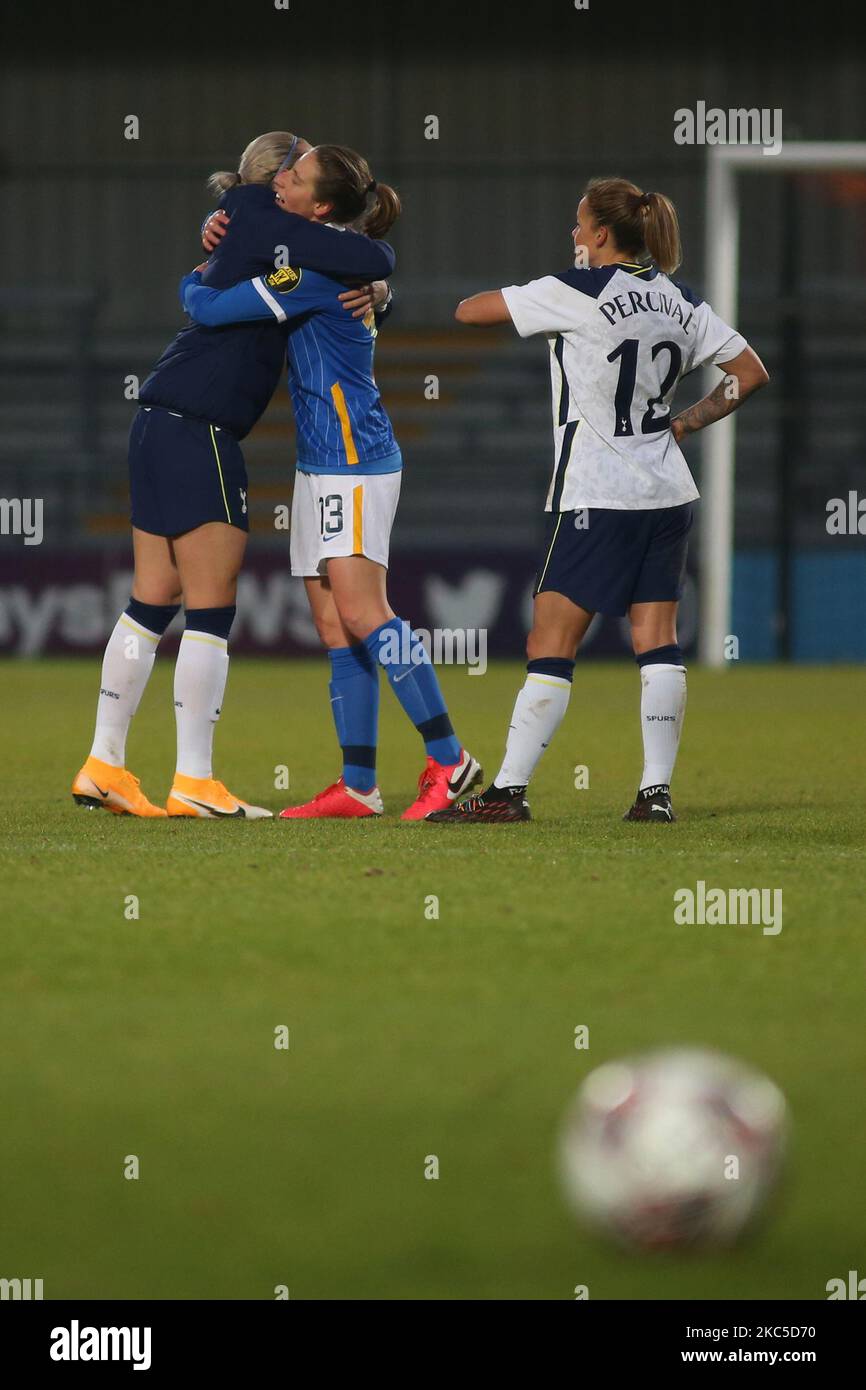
x: 538, y: 713
x: 200, y: 676
x: 662, y: 710
x: 126, y: 668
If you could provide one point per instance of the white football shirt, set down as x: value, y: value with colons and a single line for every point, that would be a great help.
x: 621, y: 337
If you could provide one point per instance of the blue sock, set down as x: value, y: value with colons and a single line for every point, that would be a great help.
x: 412, y: 678
x: 354, y: 691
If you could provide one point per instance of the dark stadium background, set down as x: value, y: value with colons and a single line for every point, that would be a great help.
x: 531, y: 101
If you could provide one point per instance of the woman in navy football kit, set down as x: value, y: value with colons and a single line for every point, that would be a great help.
x: 188, y: 490
x: 345, y: 496
x: 621, y: 335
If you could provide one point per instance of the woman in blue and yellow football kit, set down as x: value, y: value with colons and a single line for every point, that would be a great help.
x: 188, y: 489
x: 346, y: 493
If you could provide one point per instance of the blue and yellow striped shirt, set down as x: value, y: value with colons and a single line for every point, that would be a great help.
x: 341, y: 424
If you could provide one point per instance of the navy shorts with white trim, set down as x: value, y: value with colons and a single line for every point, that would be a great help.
x: 606, y: 560
x: 184, y: 473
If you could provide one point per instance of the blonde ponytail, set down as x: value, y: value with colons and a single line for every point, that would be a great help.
x: 219, y: 182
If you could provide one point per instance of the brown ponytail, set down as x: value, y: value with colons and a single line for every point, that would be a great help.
x: 384, y: 212
x: 641, y: 224
x: 345, y: 181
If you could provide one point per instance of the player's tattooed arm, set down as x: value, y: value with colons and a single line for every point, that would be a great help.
x: 715, y: 406
x: 744, y: 375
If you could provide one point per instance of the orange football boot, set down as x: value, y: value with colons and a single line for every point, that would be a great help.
x: 207, y: 799
x: 113, y: 788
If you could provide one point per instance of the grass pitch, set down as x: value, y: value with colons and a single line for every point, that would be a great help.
x: 413, y: 1036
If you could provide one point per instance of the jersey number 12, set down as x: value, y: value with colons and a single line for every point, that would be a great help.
x: 627, y: 353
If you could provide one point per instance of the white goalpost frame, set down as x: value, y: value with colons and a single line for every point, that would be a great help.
x: 721, y: 250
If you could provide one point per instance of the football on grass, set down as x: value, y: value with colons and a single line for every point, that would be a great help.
x: 674, y: 1148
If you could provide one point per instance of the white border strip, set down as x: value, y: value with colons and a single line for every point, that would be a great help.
x: 273, y: 304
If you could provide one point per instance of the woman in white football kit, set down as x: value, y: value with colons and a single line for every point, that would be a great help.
x: 621, y: 335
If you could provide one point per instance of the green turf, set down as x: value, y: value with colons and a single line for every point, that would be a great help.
x: 411, y: 1036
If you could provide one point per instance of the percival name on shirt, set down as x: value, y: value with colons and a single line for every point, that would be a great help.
x: 650, y: 302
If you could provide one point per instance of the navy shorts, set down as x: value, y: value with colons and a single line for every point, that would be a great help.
x: 606, y: 560
x: 183, y: 473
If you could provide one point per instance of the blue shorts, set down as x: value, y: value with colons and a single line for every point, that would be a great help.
x: 614, y: 559
x: 183, y: 473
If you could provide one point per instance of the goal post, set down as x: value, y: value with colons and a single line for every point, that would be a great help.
x: 721, y: 252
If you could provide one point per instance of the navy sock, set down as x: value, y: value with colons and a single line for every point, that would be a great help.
x: 661, y: 656
x: 354, y: 691
x: 216, y: 621
x: 152, y: 616
x: 413, y: 680
x: 552, y: 666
